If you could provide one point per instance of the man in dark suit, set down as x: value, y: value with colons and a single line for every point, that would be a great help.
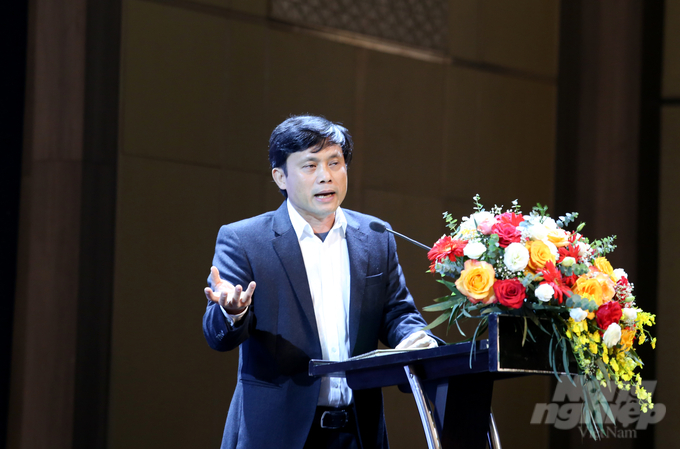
x: 320, y: 284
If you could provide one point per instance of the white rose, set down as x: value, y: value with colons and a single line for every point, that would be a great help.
x: 474, y: 250
x: 583, y: 248
x: 467, y: 229
x: 538, y: 232
x: 629, y: 313
x: 620, y: 273
x: 544, y: 292
x: 578, y: 314
x: 516, y: 257
x: 612, y: 335
x: 470, y: 223
x: 481, y: 217
x: 549, y: 223
x: 467, y: 225
x: 568, y: 261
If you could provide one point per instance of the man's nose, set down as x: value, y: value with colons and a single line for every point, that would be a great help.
x: 323, y: 173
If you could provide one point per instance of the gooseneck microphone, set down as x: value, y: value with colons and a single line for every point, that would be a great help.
x: 378, y: 226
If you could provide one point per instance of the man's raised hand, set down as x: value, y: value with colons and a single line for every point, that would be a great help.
x: 233, y: 299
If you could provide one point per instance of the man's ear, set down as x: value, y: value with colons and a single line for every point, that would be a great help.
x: 279, y: 177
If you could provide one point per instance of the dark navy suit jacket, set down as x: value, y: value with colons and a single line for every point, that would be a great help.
x: 275, y: 399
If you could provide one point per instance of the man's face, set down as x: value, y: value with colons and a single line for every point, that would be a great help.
x: 316, y: 183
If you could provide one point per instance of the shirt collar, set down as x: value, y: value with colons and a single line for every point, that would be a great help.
x: 302, y: 228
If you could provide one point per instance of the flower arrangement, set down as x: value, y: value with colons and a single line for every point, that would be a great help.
x: 532, y: 267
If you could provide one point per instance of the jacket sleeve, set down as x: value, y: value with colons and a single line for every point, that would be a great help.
x: 400, y: 317
x: 232, y: 262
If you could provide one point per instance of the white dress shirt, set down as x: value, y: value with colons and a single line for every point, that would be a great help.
x: 327, y: 267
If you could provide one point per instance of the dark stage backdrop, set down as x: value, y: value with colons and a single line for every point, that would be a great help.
x: 146, y: 128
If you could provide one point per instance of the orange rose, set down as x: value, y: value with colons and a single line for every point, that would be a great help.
x: 590, y: 288
x: 596, y: 286
x: 476, y: 282
x: 539, y: 255
x: 606, y: 283
x: 627, y: 339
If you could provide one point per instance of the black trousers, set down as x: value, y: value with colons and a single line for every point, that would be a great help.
x: 345, y: 437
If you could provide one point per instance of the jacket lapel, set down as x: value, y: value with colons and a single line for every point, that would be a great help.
x: 357, y: 247
x: 287, y: 248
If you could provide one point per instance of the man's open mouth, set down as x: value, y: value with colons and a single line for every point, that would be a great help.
x: 324, y: 194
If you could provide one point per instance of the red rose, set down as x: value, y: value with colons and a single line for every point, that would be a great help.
x: 608, y: 313
x: 507, y: 234
x: 511, y: 218
x: 510, y: 292
x: 446, y: 247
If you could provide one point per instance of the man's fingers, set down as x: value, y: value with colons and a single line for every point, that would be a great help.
x: 417, y: 339
x: 230, y: 299
x: 249, y: 292
x: 226, y: 295
x: 222, y: 300
x: 210, y: 294
x: 215, y: 275
x: 431, y: 343
x: 407, y: 342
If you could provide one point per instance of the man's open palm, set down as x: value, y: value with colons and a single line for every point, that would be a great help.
x: 232, y: 298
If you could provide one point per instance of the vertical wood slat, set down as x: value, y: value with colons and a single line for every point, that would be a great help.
x: 603, y: 148
x: 62, y: 315
x: 46, y: 313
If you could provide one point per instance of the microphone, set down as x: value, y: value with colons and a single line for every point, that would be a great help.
x: 378, y: 226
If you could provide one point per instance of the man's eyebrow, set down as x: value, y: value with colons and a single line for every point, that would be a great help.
x: 314, y: 158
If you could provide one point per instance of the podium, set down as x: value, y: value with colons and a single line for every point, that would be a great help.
x: 452, y: 390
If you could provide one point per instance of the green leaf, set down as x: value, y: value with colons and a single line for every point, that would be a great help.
x: 483, y: 324
x: 532, y: 316
x: 439, y: 320
x: 551, y: 356
x: 607, y: 409
x: 605, y: 372
x: 565, y: 357
x: 491, y: 309
x: 454, y: 316
x: 450, y: 285
x: 441, y: 306
x: 531, y: 335
x: 633, y: 355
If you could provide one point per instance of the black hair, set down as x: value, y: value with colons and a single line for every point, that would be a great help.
x: 299, y: 133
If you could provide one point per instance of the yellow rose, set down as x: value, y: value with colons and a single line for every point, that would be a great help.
x: 602, y: 264
x: 559, y: 237
x: 476, y: 282
x: 539, y: 255
x: 627, y: 339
